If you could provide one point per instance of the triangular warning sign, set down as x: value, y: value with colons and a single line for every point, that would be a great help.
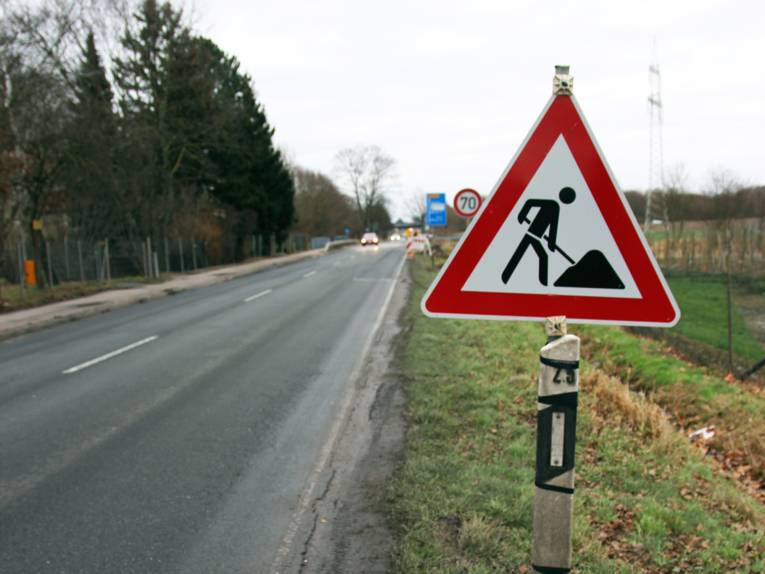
x: 555, y: 237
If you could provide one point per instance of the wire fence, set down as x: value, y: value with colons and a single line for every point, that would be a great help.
x: 710, y: 247
x: 50, y: 263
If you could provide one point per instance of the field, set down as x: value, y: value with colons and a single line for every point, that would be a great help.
x: 647, y: 501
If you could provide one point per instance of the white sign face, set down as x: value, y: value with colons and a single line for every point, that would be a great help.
x: 555, y: 240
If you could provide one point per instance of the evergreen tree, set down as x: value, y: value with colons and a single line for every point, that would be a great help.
x: 251, y: 174
x: 144, y: 80
x: 92, y: 136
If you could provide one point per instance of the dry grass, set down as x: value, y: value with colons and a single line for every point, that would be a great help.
x: 614, y: 403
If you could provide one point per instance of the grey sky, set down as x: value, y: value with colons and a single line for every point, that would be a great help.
x: 450, y: 89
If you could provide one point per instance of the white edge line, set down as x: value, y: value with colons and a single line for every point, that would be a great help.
x: 309, y: 273
x: 257, y: 295
x: 110, y: 355
x: 306, y: 497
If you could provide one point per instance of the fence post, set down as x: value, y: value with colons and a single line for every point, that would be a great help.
x: 167, y: 255
x: 50, y: 263
x: 556, y: 441
x: 156, y: 265
x: 194, y: 253
x: 180, y: 250
x: 145, y: 259
x: 79, y: 258
x: 108, y: 263
x: 22, y: 278
x: 66, y: 257
x: 97, y: 256
x: 730, y: 310
x: 149, y: 252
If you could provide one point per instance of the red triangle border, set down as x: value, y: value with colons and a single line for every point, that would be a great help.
x: 656, y: 307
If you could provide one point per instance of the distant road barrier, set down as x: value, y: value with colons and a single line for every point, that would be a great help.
x: 418, y: 244
x: 339, y: 244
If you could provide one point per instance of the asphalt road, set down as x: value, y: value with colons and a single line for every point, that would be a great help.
x: 179, y: 435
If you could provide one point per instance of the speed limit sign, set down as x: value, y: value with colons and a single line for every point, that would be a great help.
x: 467, y: 202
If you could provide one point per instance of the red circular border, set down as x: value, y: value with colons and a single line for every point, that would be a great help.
x: 461, y: 213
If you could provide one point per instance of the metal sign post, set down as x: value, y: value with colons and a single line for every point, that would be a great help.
x: 556, y: 442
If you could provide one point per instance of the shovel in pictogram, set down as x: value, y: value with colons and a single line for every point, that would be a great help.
x: 592, y: 271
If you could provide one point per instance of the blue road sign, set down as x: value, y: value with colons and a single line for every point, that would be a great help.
x: 435, y: 210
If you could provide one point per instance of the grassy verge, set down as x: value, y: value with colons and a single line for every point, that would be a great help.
x: 13, y: 299
x: 463, y: 499
x: 692, y: 396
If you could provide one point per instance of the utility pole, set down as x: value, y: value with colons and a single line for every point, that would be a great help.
x: 655, y: 136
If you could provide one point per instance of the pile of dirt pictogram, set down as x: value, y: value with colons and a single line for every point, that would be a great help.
x: 593, y: 271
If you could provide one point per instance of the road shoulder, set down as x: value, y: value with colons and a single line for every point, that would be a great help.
x: 347, y: 530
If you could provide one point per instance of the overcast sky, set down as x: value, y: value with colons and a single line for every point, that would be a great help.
x: 450, y: 89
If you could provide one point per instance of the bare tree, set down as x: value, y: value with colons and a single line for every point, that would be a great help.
x: 674, y: 204
x: 416, y: 206
x: 320, y: 208
x: 367, y: 172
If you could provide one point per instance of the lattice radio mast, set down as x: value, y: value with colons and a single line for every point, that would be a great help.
x: 655, y: 135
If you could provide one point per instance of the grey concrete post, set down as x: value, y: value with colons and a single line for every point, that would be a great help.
x: 194, y: 253
x: 167, y: 255
x: 556, y: 441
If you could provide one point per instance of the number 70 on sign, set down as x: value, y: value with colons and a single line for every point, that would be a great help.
x: 467, y: 202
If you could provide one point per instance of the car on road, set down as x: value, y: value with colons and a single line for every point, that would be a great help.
x: 370, y: 239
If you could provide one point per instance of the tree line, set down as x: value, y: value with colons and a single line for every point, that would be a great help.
x: 723, y: 197
x: 163, y: 137
x: 321, y: 209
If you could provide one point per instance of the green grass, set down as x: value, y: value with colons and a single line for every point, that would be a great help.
x: 691, y: 394
x: 703, y: 304
x: 463, y: 499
